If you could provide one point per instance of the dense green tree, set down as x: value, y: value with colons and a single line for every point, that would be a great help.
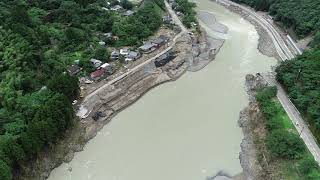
x: 5, y: 171
x: 284, y: 144
x: 187, y: 8
x: 11, y: 148
x: 102, y: 54
x: 126, y: 4
x: 301, y: 79
x: 302, y: 16
x: 65, y: 84
x: 39, y: 39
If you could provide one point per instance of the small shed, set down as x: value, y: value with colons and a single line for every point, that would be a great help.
x: 116, y: 8
x: 95, y: 62
x: 108, y: 35
x: 74, y: 70
x: 124, y: 51
x: 128, y: 13
x: 114, y: 55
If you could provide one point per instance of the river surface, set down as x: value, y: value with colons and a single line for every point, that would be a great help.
x: 182, y: 130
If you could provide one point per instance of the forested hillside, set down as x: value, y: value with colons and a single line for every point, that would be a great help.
x: 38, y: 40
x: 302, y: 15
x: 301, y: 76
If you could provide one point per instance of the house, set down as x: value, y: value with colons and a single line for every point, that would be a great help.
x: 164, y: 38
x: 148, y: 47
x: 96, y: 75
x: 132, y: 56
x: 167, y: 19
x: 124, y: 51
x: 116, y: 8
x: 128, y: 13
x: 95, y: 62
x: 107, y: 67
x: 114, y: 55
x: 164, y: 59
x: 158, y: 41
x: 74, y: 70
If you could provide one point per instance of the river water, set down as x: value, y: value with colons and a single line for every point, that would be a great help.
x: 182, y: 130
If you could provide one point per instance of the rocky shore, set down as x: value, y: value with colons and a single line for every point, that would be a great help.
x: 115, y: 98
x: 206, y: 47
x: 253, y: 127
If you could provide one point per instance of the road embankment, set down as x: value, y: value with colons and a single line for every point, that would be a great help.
x: 265, y: 43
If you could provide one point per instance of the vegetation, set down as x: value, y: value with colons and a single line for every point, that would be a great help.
x: 138, y: 27
x: 301, y: 79
x: 189, y: 14
x: 302, y: 16
x: 287, y: 152
x: 39, y: 39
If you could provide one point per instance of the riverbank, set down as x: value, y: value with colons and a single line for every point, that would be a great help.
x: 112, y: 100
x: 252, y: 123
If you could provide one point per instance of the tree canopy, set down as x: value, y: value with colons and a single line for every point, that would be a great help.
x: 302, y: 16
x: 39, y: 39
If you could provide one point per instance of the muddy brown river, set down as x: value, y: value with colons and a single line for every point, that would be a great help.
x: 183, y: 130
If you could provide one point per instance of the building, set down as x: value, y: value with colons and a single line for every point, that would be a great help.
x: 167, y: 19
x: 124, y: 51
x: 95, y: 62
x: 179, y: 13
x: 128, y: 13
x: 107, y: 67
x: 114, y: 55
x: 148, y: 47
x: 164, y: 38
x: 132, y: 56
x: 108, y: 35
x: 116, y: 8
x: 102, y: 43
x: 161, y: 40
x: 164, y: 59
x: 96, y: 75
x: 158, y: 41
x: 74, y: 70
